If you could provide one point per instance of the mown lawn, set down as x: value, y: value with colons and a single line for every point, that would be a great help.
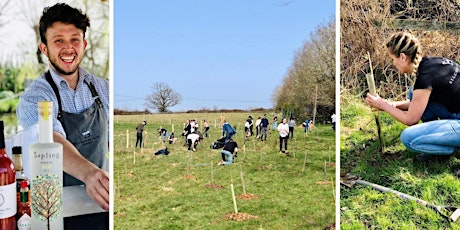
x: 187, y: 190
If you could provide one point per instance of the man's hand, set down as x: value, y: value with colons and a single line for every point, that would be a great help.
x: 95, y: 179
x: 97, y: 187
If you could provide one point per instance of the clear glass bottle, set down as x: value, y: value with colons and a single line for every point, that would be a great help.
x: 46, y: 173
x: 7, y: 187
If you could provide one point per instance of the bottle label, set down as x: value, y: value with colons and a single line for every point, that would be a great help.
x: 46, y: 185
x: 24, y: 222
x: 8, y: 200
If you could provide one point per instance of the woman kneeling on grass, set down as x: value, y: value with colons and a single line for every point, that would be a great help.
x: 434, y: 99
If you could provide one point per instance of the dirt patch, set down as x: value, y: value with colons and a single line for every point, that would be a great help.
x: 188, y: 177
x: 214, y: 186
x: 331, y: 164
x: 330, y: 227
x: 241, y: 216
x: 323, y: 182
x: 247, y: 197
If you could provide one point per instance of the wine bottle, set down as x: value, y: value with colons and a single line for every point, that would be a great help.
x: 46, y: 173
x: 23, y: 215
x: 7, y: 187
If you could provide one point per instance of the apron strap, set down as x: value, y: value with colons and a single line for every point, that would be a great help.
x: 95, y: 94
x: 56, y: 91
x: 58, y: 96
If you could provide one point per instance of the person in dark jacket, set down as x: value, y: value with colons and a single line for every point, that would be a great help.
x: 140, y: 130
x: 229, y: 151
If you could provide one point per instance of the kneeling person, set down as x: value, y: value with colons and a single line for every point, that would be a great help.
x: 193, y: 139
x: 230, y: 148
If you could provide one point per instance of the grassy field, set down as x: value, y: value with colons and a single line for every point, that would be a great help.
x: 188, y: 190
x: 366, y: 208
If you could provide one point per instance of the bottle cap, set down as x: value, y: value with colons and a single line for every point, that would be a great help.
x: 23, y: 184
x: 17, y: 150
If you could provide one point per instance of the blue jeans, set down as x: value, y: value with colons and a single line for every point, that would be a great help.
x: 433, y: 136
x: 228, y: 136
x: 263, y: 131
x: 440, y: 137
x: 227, y: 157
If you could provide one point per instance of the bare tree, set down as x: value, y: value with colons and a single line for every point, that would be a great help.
x: 162, y: 97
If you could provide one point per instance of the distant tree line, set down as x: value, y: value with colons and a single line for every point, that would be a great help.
x: 308, y: 87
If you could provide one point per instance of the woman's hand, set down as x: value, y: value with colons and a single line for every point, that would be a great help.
x: 375, y: 101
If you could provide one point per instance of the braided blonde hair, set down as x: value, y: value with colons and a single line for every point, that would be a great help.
x: 404, y: 42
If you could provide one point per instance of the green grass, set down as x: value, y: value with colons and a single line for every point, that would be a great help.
x: 366, y: 208
x: 163, y: 192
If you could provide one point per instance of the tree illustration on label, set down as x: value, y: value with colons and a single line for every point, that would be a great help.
x: 46, y: 198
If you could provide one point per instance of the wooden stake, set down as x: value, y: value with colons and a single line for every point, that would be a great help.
x: 234, y: 199
x: 333, y: 188
x: 134, y: 157
x: 295, y: 144
x: 316, y: 104
x: 242, y: 181
x: 373, y: 92
x: 212, y: 174
x: 189, y: 162
x: 324, y: 177
x: 304, y: 162
x: 127, y: 138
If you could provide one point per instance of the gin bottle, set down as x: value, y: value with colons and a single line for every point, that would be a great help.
x: 46, y: 174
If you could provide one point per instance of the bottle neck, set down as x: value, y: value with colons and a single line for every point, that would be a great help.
x: 45, y: 130
x: 45, y: 122
x: 2, y: 139
x: 17, y: 161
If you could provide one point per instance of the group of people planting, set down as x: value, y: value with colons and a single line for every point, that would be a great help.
x: 192, y: 135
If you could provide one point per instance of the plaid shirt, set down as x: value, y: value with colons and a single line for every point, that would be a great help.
x: 73, y: 101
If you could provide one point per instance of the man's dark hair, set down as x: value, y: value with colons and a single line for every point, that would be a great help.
x: 64, y: 13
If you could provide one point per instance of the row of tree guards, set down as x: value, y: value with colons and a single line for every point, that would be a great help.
x: 324, y: 181
x: 237, y: 215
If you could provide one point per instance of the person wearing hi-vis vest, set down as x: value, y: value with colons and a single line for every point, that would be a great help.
x: 80, y: 101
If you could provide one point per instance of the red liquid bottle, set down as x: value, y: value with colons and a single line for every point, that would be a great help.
x: 7, y: 187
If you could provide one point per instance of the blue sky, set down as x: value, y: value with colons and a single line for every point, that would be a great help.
x: 216, y: 54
